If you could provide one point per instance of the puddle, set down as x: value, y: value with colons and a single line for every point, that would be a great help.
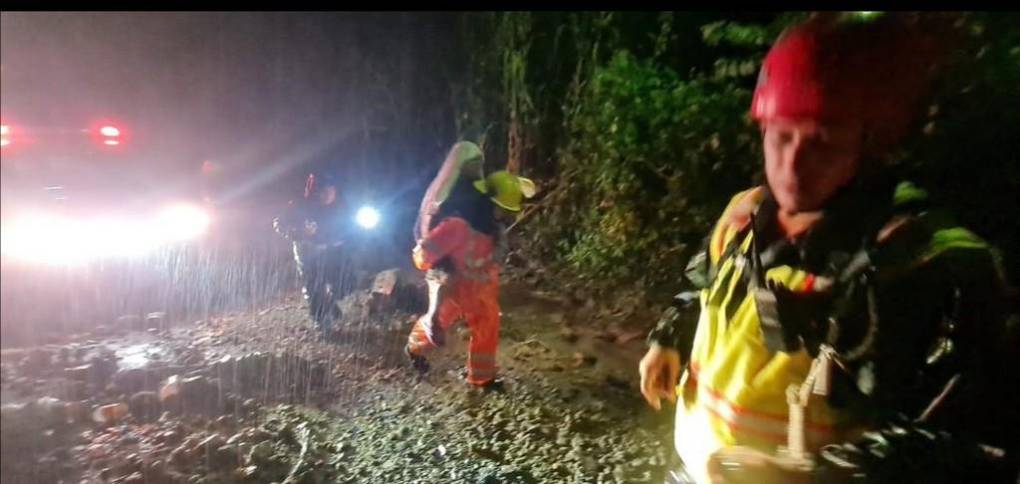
x: 137, y: 355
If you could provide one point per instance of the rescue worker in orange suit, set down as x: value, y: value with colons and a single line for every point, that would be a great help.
x: 848, y: 330
x: 457, y: 249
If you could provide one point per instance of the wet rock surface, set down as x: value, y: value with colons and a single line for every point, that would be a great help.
x: 263, y: 397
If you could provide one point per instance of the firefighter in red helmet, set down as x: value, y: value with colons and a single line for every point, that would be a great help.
x: 318, y: 227
x: 848, y: 331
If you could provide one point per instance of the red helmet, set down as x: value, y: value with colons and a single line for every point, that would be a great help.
x: 833, y: 69
x: 317, y: 181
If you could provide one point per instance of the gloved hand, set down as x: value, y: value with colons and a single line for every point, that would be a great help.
x: 283, y: 229
x: 418, y: 256
x: 436, y: 281
x: 433, y: 330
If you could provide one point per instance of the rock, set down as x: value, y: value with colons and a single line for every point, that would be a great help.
x: 101, y: 370
x: 225, y: 423
x: 78, y: 373
x: 130, y: 466
x: 76, y: 412
x: 64, y: 355
x: 161, y: 371
x: 246, y: 473
x: 36, y: 361
x: 30, y: 417
x: 392, y: 290
x: 589, y: 464
x: 110, y: 414
x: 51, y: 410
x: 486, y: 452
x: 168, y: 437
x: 156, y: 320
x: 181, y: 456
x: 155, y: 473
x: 569, y: 335
x: 237, y: 438
x: 260, y: 452
x: 626, y: 337
x: 8, y: 357
x: 133, y: 380
x: 76, y: 390
x: 617, y: 382
x: 581, y: 359
x: 514, y: 473
x: 190, y: 395
x: 249, y: 405
x: 385, y: 282
x: 22, y: 384
x: 129, y: 321
x: 608, y: 334
x: 225, y: 457
x: 144, y: 405
x: 170, y: 392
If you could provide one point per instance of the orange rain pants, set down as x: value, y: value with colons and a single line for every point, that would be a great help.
x: 470, y: 293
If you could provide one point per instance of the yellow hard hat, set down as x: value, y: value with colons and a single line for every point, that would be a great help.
x: 506, y: 189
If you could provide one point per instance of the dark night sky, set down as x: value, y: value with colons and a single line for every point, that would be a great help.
x: 265, y: 94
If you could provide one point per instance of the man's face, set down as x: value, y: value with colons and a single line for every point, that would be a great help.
x: 806, y: 161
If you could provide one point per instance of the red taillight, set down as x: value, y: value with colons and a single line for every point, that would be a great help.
x: 109, y: 133
x: 14, y: 138
x: 5, y: 135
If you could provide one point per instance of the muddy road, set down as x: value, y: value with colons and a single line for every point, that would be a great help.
x: 257, y: 396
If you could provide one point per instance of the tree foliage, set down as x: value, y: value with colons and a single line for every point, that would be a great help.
x: 637, y: 127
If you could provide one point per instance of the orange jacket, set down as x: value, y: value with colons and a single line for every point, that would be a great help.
x: 470, y: 251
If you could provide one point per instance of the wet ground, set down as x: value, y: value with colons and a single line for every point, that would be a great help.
x: 257, y: 396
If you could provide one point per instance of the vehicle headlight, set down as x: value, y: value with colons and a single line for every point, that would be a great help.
x: 367, y: 217
x: 182, y: 222
x: 57, y: 240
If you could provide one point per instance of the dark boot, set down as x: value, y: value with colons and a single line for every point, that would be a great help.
x: 496, y: 385
x: 419, y: 363
x: 493, y: 386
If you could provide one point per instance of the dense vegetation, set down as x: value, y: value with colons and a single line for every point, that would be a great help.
x: 636, y: 126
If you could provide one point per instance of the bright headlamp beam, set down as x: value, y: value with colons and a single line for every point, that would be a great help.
x: 367, y: 217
